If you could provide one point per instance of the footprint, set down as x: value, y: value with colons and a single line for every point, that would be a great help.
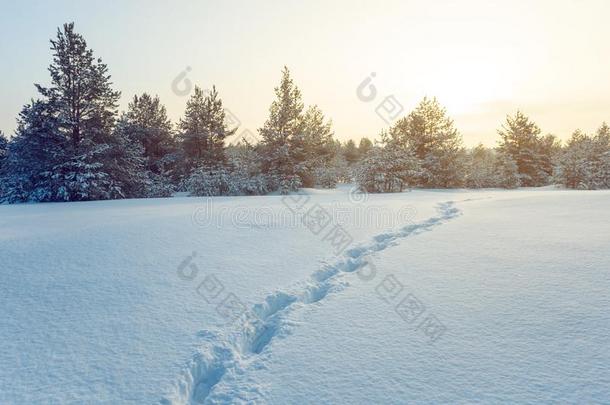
x: 255, y: 334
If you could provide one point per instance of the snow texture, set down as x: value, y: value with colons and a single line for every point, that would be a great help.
x: 233, y: 300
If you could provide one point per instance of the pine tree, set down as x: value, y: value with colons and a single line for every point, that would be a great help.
x: 585, y: 163
x: 3, y: 158
x: 81, y: 90
x: 281, y: 131
x: 344, y: 172
x: 203, y: 130
x: 241, y: 176
x: 549, y: 152
x: 575, y: 167
x: 244, y: 158
x: 388, y: 168
x: 147, y: 124
x: 521, y: 140
x: 430, y: 135
x: 313, y: 150
x: 489, y: 168
x: 3, y: 150
x: 506, y: 171
x: 364, y: 147
x: 66, y: 148
x: 601, y: 157
x: 37, y: 147
x: 480, y: 168
x: 351, y: 152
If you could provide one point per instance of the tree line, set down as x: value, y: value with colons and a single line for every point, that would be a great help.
x: 71, y: 144
x: 424, y: 149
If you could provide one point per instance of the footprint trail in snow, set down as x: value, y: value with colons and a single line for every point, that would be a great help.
x: 228, y: 355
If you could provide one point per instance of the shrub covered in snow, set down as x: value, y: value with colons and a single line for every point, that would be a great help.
x: 158, y: 186
x: 289, y: 184
x: 506, y: 172
x: 489, y: 168
x: 585, y: 162
x: 388, y: 170
x: 218, y: 181
x: 207, y: 181
x: 480, y: 168
x: 327, y: 176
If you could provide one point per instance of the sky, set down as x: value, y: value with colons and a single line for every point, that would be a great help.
x: 364, y: 63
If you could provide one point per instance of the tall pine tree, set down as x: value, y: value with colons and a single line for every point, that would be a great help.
x: 431, y: 136
x: 203, y: 131
x: 351, y: 152
x: 521, y: 140
x: 147, y: 124
x: 297, y: 145
x: 585, y: 163
x: 314, y: 148
x: 71, y: 132
x: 282, y: 128
x: 36, y: 149
x: 601, y: 157
x: 80, y: 90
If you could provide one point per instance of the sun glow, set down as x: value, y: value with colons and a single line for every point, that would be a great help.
x: 467, y: 86
x: 481, y: 59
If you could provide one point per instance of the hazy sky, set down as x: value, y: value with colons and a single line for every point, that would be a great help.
x: 481, y: 59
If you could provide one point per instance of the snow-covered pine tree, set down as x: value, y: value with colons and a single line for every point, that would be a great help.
x: 40, y: 166
x: 203, y: 131
x: 549, y: 153
x: 334, y: 168
x: 3, y: 150
x: 37, y: 147
x: 601, y: 160
x: 585, y: 163
x: 388, y: 168
x: 245, y: 161
x: 521, y: 140
x: 432, y: 138
x: 278, y: 145
x: 506, y: 171
x: 345, y: 173
x: 364, y: 147
x: 314, y: 149
x: 224, y: 181
x: 351, y: 152
x: 80, y: 89
x: 88, y: 159
x: 3, y: 153
x: 574, y: 168
x: 480, y: 168
x: 145, y: 124
x: 245, y: 158
x: 84, y: 177
x: 352, y: 156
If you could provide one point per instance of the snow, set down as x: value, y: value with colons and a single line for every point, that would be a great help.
x: 526, y: 314
x: 101, y: 302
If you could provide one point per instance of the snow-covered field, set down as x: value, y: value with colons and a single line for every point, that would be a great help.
x: 329, y: 297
